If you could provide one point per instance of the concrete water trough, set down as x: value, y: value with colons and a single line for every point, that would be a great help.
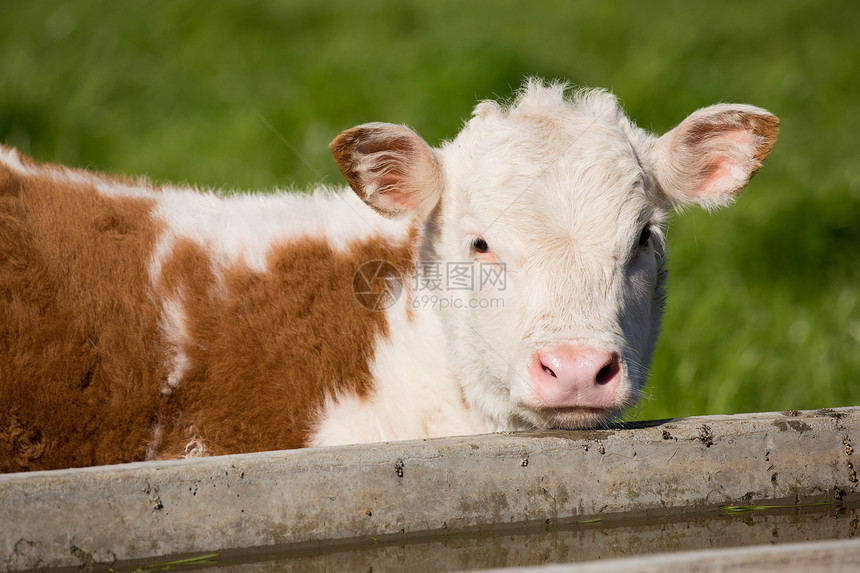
x: 432, y: 496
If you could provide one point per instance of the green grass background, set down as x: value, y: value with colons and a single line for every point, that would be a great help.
x: 764, y: 303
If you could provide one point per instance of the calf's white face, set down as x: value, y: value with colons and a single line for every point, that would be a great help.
x: 563, y: 201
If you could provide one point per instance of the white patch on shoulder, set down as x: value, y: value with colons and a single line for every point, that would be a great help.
x: 174, y: 330
x: 246, y: 227
x: 411, y: 375
x: 153, y: 448
x: 196, y: 448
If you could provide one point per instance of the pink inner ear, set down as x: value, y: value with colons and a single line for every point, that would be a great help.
x: 389, y: 167
x: 717, y: 179
x: 392, y: 191
x: 390, y: 188
x: 726, y: 174
x: 740, y: 136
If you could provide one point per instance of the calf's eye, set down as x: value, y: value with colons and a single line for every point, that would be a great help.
x: 644, y: 237
x: 480, y: 245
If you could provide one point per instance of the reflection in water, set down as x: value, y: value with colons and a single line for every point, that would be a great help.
x: 614, y: 536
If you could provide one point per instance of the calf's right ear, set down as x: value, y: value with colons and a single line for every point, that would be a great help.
x: 390, y: 167
x: 711, y: 156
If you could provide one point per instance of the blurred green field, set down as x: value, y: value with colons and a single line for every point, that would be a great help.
x: 764, y: 303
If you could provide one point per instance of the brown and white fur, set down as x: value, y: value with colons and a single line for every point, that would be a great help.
x: 140, y: 322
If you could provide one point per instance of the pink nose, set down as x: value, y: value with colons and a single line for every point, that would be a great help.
x: 576, y: 376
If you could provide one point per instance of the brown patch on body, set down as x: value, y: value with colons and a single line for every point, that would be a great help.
x: 269, y: 347
x: 78, y: 371
x: 82, y: 359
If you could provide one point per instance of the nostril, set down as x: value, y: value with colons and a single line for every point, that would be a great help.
x: 609, y: 370
x: 576, y: 376
x: 605, y: 374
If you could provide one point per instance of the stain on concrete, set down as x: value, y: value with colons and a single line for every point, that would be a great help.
x: 795, y: 425
x: 705, y: 435
x: 830, y: 413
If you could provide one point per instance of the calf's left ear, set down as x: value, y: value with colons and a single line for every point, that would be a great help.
x: 711, y: 156
x: 390, y: 167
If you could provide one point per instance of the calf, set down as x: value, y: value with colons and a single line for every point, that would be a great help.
x: 511, y: 279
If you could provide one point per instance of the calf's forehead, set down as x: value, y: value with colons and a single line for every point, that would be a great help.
x: 572, y: 175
